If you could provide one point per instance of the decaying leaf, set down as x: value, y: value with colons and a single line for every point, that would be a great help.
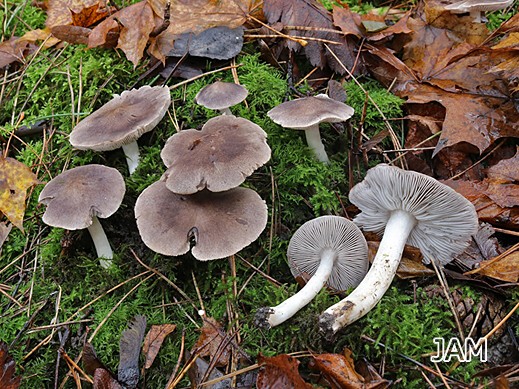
x: 339, y: 370
x: 8, y: 380
x: 14, y: 50
x: 104, y: 380
x: 153, y: 341
x: 5, y: 229
x: 213, y: 342
x: 280, y: 371
x: 129, y: 352
x: 504, y: 268
x: 314, y: 22
x: 82, y: 13
x: 15, y: 179
x: 198, y: 373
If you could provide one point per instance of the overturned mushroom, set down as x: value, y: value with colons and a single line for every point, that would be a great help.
x: 330, y: 250
x: 306, y: 114
x: 219, y: 224
x: 221, y: 95
x: 218, y: 157
x: 121, y: 121
x: 406, y: 207
x: 76, y: 198
x: 476, y: 7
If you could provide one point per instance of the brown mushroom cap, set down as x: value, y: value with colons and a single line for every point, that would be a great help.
x: 308, y: 111
x: 221, y: 95
x: 218, y: 157
x: 445, y: 220
x: 221, y: 224
x: 122, y: 120
x: 335, y: 233
x: 76, y: 195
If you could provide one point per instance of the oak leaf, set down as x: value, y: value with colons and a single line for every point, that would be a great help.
x: 15, y: 179
x: 280, y: 371
x: 82, y: 13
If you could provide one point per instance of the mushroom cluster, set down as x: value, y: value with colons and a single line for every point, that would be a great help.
x: 198, y: 201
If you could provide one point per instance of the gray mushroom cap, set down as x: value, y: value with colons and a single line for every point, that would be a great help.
x: 218, y: 157
x: 329, y: 232
x: 445, y: 220
x: 76, y: 195
x: 122, y: 120
x: 308, y: 111
x: 478, y: 5
x: 221, y: 95
x: 221, y: 224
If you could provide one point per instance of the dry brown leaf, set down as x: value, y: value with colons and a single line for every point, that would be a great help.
x: 82, y: 13
x: 213, y: 342
x: 153, y: 341
x: 506, y: 268
x: 280, y: 371
x: 5, y: 229
x: 14, y: 50
x: 339, y: 370
x: 15, y: 179
x: 8, y: 380
x: 104, y: 380
x: 71, y: 34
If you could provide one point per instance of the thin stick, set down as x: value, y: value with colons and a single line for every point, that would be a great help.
x: 179, y: 360
x: 442, y: 377
x: 64, y: 323
x: 302, y: 42
x: 69, y: 360
x: 479, y: 161
x: 305, y: 38
x: 493, y: 260
x: 230, y: 375
x: 202, y: 75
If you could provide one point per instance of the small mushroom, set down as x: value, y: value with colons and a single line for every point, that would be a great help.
x: 218, y: 224
x: 405, y: 206
x: 121, y: 121
x: 221, y: 95
x: 330, y: 250
x: 476, y: 7
x: 76, y: 198
x: 306, y: 113
x: 218, y: 157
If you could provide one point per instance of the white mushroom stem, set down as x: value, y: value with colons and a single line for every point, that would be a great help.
x: 375, y: 284
x: 104, y: 251
x: 276, y: 315
x: 131, y: 151
x: 313, y: 139
x: 225, y: 111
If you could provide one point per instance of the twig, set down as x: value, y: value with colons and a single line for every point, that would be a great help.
x: 302, y: 42
x: 202, y: 75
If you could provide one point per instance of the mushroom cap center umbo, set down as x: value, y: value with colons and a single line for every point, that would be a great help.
x: 122, y: 120
x: 218, y: 157
x: 76, y: 195
x: 445, y: 220
x: 327, y: 234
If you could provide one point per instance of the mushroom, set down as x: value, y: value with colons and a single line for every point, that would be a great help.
x: 476, y: 7
x: 76, y: 198
x: 330, y: 250
x: 405, y: 206
x: 221, y: 95
x: 306, y: 113
x: 218, y: 157
x: 219, y: 224
x: 121, y: 121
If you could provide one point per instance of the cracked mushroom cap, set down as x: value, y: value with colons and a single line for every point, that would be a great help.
x: 220, y: 224
x: 76, y: 195
x: 218, y: 157
x: 478, y: 5
x: 122, y: 120
x: 329, y: 232
x: 221, y: 95
x: 308, y: 111
x: 445, y: 220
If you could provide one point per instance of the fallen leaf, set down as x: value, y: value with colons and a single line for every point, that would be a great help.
x: 198, y: 373
x: 14, y: 50
x: 82, y: 13
x: 104, y: 380
x: 153, y: 341
x: 5, y: 229
x: 213, y: 342
x: 15, y: 179
x: 71, y: 34
x: 7, y: 370
x: 280, y: 371
x: 90, y: 360
x: 317, y: 23
x: 129, y: 352
x: 505, y: 268
x: 339, y: 370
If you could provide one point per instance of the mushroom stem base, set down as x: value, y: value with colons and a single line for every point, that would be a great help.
x: 131, y: 151
x: 104, y: 251
x: 270, y: 317
x: 375, y: 284
x: 313, y: 139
